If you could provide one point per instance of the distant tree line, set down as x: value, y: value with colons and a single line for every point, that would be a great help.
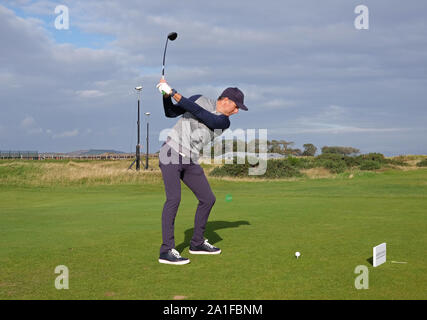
x: 344, y: 151
x: 278, y: 146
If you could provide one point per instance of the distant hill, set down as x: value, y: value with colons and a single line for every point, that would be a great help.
x: 92, y: 152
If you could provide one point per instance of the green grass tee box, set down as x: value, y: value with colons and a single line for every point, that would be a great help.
x: 109, y: 235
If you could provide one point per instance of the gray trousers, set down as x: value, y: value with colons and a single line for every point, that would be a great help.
x: 193, y: 176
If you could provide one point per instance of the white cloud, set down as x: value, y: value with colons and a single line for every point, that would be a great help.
x: 67, y: 134
x: 206, y: 90
x: 325, y: 116
x: 35, y: 131
x: 90, y: 93
x: 28, y: 122
x: 42, y: 7
x: 334, y: 129
x: 278, y: 104
x: 9, y: 80
x: 334, y: 112
x: 332, y: 119
x: 30, y: 126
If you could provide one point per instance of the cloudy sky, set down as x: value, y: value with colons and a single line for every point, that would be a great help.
x: 308, y: 74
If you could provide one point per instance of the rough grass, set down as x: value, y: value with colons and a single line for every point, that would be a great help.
x: 75, y: 172
x: 316, y: 173
x: 115, y: 172
x: 409, y: 157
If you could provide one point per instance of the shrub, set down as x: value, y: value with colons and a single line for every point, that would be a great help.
x: 330, y: 156
x: 351, y: 161
x: 231, y: 170
x: 333, y: 166
x: 397, y: 162
x: 293, y: 161
x: 290, y: 166
x: 422, y: 163
x: 300, y: 163
x: 280, y: 168
x: 335, y: 163
x: 373, y: 156
x: 370, y: 165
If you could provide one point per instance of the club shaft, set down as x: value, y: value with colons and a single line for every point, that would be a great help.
x: 164, y: 57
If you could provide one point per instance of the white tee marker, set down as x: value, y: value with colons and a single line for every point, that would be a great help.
x: 379, y: 254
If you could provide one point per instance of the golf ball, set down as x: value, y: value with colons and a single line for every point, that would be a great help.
x: 297, y: 254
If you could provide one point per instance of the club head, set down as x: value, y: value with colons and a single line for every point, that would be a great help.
x: 172, y: 36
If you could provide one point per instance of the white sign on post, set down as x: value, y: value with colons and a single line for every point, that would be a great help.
x: 379, y: 255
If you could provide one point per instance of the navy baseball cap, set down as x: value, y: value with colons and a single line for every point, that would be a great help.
x: 235, y: 95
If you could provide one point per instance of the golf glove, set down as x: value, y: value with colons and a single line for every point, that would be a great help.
x: 164, y: 88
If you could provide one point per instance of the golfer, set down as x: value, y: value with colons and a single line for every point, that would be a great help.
x: 201, y: 120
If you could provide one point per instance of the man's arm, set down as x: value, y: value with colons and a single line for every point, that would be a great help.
x: 211, y: 120
x: 171, y: 110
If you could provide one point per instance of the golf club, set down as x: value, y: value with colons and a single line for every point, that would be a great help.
x: 171, y: 36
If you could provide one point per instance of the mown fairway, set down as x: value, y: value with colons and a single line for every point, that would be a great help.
x: 109, y: 235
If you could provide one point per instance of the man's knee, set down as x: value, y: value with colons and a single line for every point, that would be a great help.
x: 209, y: 200
x: 173, y: 201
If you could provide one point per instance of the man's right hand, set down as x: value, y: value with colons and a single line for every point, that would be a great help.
x: 164, y: 88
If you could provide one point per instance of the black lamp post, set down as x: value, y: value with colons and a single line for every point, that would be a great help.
x: 138, y: 146
x: 147, y: 150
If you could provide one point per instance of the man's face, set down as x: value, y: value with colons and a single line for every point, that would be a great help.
x: 227, y: 107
